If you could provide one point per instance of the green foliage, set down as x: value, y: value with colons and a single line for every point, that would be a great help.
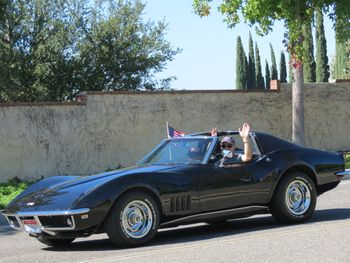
x: 32, y: 43
x: 51, y: 50
x: 283, y: 68
x: 322, y: 68
x: 274, y: 72
x: 309, y: 65
x: 347, y: 161
x: 251, y: 78
x: 259, y: 77
x: 241, y: 66
x: 340, y: 60
x: 128, y: 51
x: 10, y: 190
x: 267, y: 75
x: 342, y: 34
x: 263, y: 14
x: 347, y: 75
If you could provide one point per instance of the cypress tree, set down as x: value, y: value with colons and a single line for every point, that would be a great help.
x: 274, y: 73
x: 241, y: 65
x: 309, y: 65
x: 347, y: 75
x: 267, y: 75
x: 340, y: 59
x: 322, y: 68
x: 283, y: 68
x: 246, y: 69
x: 341, y: 36
x: 251, y: 82
x: 258, y: 73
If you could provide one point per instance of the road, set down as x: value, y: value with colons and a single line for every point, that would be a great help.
x: 324, y: 238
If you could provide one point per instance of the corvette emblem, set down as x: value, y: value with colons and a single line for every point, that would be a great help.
x: 30, y: 204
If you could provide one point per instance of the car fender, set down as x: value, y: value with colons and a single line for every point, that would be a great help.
x: 298, y: 166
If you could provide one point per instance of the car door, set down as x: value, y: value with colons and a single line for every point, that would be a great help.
x: 241, y: 184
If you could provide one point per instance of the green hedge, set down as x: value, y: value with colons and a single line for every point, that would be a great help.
x: 10, y: 190
x: 347, y: 161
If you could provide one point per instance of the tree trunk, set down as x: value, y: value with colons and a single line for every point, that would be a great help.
x: 298, y: 131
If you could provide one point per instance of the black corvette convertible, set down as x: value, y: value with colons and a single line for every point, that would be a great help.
x: 171, y: 186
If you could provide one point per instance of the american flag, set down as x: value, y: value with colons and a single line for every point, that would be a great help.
x: 172, y: 133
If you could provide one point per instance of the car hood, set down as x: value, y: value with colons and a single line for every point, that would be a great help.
x: 63, y: 192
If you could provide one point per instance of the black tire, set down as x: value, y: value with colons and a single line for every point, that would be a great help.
x: 281, y: 206
x: 121, y: 218
x: 55, y: 242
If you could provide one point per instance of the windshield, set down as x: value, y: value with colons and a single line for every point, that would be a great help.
x: 180, y: 150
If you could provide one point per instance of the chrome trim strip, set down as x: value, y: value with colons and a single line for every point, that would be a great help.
x: 252, y: 137
x: 215, y: 213
x: 343, y: 173
x: 51, y: 213
x: 8, y: 220
x: 211, y: 149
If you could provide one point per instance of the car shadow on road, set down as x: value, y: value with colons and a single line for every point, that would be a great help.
x: 202, y: 232
x: 7, y: 230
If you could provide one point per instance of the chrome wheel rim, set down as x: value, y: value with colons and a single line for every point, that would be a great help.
x: 137, y: 219
x: 298, y: 197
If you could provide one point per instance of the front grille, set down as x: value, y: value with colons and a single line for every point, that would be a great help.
x: 54, y: 221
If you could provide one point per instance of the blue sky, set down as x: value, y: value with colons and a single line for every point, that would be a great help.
x: 208, y: 56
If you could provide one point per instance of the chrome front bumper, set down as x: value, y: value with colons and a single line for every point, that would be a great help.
x: 343, y: 173
x: 16, y: 220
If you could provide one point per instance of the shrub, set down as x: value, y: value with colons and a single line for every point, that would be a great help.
x: 11, y: 189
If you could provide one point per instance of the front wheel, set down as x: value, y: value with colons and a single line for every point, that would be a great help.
x: 294, y: 200
x: 134, y: 220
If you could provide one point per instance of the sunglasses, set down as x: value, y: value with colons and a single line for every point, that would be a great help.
x: 226, y: 145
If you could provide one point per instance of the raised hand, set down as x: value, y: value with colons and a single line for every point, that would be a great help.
x: 214, y: 132
x: 244, y: 132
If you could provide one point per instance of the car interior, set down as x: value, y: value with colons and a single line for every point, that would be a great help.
x: 239, y: 148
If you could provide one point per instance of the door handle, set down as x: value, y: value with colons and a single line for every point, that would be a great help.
x: 268, y: 160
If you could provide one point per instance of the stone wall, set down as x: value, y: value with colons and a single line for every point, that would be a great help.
x: 108, y: 130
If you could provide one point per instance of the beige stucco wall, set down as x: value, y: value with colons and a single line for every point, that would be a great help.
x: 118, y: 129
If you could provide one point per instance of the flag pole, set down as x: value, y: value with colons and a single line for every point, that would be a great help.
x: 167, y: 130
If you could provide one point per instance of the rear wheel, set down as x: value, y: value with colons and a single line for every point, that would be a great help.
x: 55, y: 242
x: 134, y: 219
x: 294, y: 200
